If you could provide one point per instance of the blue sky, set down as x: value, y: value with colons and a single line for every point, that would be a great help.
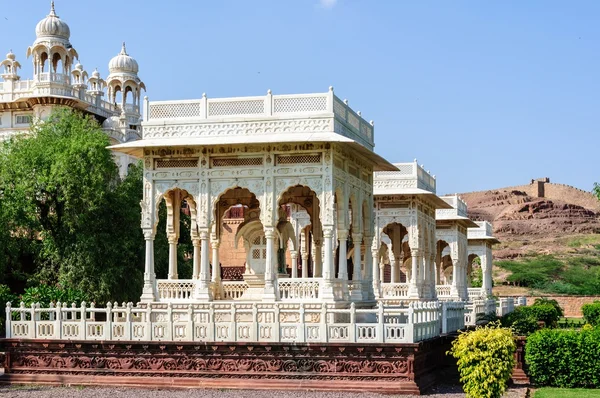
x: 485, y: 94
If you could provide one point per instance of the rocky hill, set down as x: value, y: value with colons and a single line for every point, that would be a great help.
x: 540, y: 217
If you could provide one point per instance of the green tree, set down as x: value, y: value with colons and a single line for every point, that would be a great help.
x: 65, y: 208
x: 596, y: 190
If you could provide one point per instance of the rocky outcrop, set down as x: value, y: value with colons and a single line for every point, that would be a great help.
x: 525, y: 222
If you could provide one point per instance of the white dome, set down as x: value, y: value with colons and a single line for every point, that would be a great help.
x: 96, y: 74
x: 78, y: 66
x: 123, y: 63
x: 10, y: 55
x: 111, y: 123
x: 52, y: 25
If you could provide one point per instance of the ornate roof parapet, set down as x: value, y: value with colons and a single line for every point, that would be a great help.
x: 410, y: 178
x: 458, y: 212
x: 483, y: 231
x: 322, y: 111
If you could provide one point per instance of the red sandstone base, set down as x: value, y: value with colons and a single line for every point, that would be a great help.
x: 383, y: 368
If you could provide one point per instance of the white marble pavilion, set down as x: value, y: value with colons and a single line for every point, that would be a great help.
x: 339, y: 244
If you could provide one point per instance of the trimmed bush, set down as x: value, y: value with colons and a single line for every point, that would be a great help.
x: 591, y: 313
x: 552, y: 302
x: 564, y: 358
x: 546, y: 313
x: 485, y: 358
x: 521, y: 321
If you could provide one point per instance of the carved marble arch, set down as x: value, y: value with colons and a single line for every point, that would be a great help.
x: 234, y: 197
x: 306, y: 198
x: 173, y: 199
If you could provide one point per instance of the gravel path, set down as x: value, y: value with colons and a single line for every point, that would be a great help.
x: 442, y: 391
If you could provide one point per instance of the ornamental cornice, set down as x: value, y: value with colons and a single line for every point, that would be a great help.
x: 242, y: 128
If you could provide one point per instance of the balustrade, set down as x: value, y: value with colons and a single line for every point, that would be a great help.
x: 299, y: 289
x: 175, y: 290
x: 394, y: 290
x: 210, y: 322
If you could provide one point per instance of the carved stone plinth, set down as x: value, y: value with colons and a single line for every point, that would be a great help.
x: 385, y: 368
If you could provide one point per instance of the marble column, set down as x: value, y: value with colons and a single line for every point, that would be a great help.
x: 270, y: 266
x: 294, y: 257
x: 149, y: 289
x: 357, y: 269
x: 196, y: 259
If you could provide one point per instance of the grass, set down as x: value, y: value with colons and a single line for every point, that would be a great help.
x: 547, y: 392
x: 584, y: 240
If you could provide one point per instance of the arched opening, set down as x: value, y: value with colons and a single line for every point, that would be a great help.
x: 117, y: 95
x: 396, y: 269
x: 43, y: 60
x: 57, y: 63
x: 443, y: 260
x: 300, y: 229
x: 474, y: 271
x: 173, y: 249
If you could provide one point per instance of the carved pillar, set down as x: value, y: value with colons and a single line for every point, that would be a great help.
x: 216, y: 266
x: 149, y: 289
x: 203, y: 292
x: 357, y: 269
x: 327, y: 292
x: 486, y: 268
x: 196, y: 260
x: 454, y: 289
x: 413, y: 289
x: 173, y: 257
x: 342, y: 256
x: 294, y: 257
x: 368, y: 275
x: 317, y: 259
x: 270, y: 266
x: 304, y: 253
x: 393, y: 267
x: 376, y: 273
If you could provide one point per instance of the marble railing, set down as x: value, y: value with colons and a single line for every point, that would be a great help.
x: 212, y: 322
x: 233, y: 290
x: 443, y: 291
x: 394, y: 290
x: 175, y: 290
x: 298, y: 289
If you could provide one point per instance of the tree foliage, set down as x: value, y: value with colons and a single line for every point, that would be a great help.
x: 66, y: 217
x: 596, y: 190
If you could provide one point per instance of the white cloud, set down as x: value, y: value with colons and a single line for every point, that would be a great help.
x: 328, y: 3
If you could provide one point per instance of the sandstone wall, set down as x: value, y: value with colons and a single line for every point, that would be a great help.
x: 571, y: 305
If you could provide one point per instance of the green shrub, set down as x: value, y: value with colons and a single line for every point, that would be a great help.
x: 522, y: 322
x: 46, y: 294
x: 485, y: 359
x: 564, y: 358
x: 546, y: 313
x: 591, y: 313
x: 554, y: 303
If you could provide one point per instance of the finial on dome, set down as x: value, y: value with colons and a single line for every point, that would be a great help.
x: 52, y: 12
x: 123, y: 49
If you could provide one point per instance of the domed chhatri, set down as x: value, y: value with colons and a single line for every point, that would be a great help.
x: 123, y: 63
x: 53, y: 26
x: 10, y: 55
